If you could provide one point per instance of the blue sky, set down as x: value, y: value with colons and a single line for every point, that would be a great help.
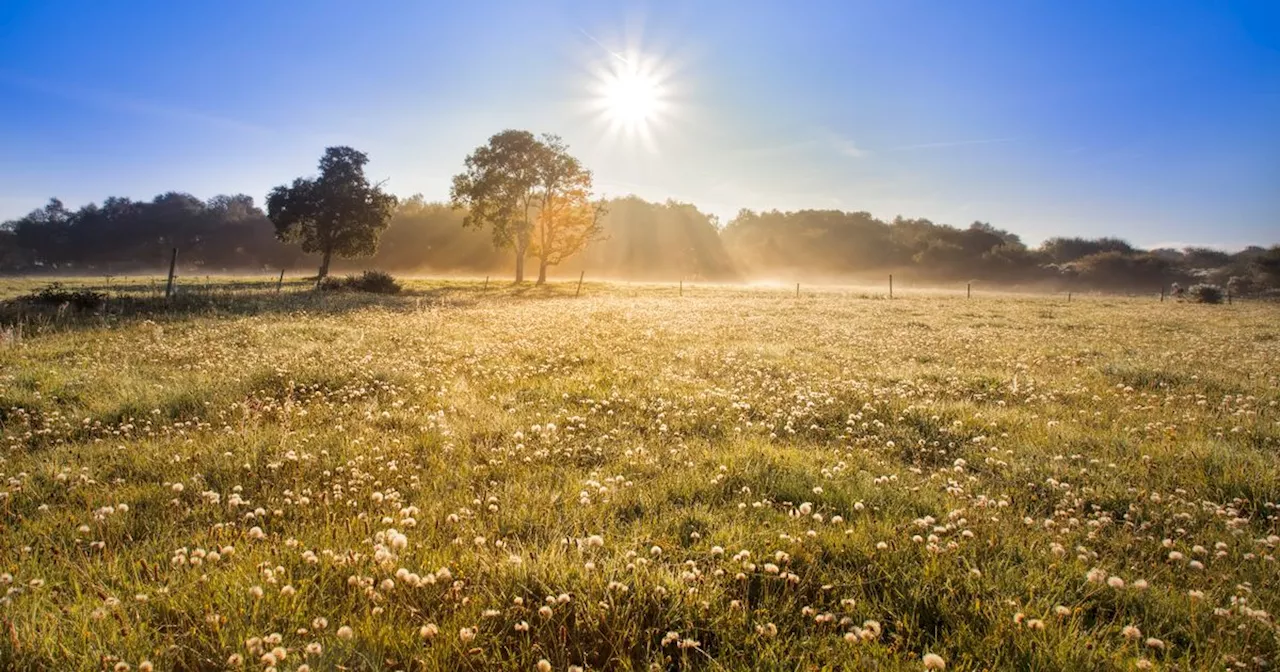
x: 1155, y: 121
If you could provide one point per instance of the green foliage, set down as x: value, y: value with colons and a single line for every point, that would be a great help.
x: 373, y: 282
x: 532, y: 195
x: 56, y: 294
x: 337, y: 213
x: 498, y: 190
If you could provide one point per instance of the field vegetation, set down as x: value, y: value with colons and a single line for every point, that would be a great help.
x: 472, y: 476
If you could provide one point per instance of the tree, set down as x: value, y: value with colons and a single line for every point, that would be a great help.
x: 339, y: 212
x: 567, y: 220
x: 1267, y: 265
x: 499, y: 189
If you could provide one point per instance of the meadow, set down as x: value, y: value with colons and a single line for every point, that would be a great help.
x: 475, y: 478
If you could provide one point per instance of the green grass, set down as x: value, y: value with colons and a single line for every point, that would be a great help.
x: 951, y: 469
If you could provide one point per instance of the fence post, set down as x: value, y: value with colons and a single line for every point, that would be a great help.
x: 580, y: 277
x: 681, y: 286
x: 1161, y: 293
x: 968, y: 291
x: 797, y: 290
x: 280, y: 282
x: 173, y: 264
x: 891, y: 285
x: 1228, y: 296
x: 1068, y: 297
x: 486, y: 282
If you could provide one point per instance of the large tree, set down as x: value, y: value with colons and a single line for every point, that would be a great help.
x: 339, y: 212
x: 567, y: 219
x: 499, y: 189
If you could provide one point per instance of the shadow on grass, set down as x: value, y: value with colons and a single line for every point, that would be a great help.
x: 24, y: 317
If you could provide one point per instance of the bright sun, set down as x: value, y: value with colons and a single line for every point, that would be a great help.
x: 631, y: 96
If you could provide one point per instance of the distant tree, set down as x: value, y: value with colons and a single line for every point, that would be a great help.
x: 1204, y: 257
x: 337, y: 213
x: 1064, y: 250
x: 567, y: 220
x: 499, y: 189
x: 1267, y: 265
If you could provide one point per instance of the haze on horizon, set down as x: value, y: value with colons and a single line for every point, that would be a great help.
x: 1152, y: 124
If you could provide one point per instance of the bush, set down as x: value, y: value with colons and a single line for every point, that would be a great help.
x: 56, y: 295
x: 330, y: 284
x: 373, y: 282
x: 1203, y: 293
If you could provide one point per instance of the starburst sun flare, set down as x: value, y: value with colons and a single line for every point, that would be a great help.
x: 631, y: 96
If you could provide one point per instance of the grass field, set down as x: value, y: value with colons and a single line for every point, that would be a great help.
x: 470, y: 478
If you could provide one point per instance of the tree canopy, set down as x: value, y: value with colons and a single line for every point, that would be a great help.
x: 499, y: 189
x: 337, y: 213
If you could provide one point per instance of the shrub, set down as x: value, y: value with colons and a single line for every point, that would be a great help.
x: 330, y: 284
x: 1204, y: 293
x: 56, y: 295
x: 374, y: 282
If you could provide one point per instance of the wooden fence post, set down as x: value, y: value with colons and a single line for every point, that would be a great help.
x: 173, y: 264
x: 968, y: 291
x: 891, y: 285
x: 280, y: 282
x: 486, y: 282
x: 681, y: 286
x: 580, y: 277
x: 797, y: 290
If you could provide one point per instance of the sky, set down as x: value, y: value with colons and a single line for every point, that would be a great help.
x: 1157, y: 122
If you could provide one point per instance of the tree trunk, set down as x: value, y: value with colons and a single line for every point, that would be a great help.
x: 542, y: 272
x: 324, y: 265
x: 519, y: 266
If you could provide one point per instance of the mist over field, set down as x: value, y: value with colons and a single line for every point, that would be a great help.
x: 638, y: 240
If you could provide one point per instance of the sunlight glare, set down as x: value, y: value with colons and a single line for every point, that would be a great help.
x: 631, y: 96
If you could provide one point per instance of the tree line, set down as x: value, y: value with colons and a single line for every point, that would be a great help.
x: 523, y: 196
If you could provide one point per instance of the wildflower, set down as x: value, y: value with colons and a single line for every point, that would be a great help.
x: 933, y: 661
x: 544, y: 665
x: 428, y: 631
x: 1115, y: 582
x: 1131, y: 632
x: 466, y: 635
x: 345, y: 632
